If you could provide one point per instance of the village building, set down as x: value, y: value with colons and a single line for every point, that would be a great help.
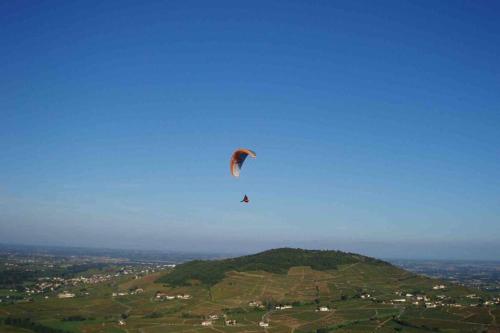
x: 255, y: 304
x: 160, y: 295
x: 65, y: 295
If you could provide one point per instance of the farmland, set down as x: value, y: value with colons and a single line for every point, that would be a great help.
x: 358, y: 296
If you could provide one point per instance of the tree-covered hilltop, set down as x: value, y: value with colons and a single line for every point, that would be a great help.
x: 278, y: 261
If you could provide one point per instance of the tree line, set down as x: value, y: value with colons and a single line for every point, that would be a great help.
x: 31, y: 325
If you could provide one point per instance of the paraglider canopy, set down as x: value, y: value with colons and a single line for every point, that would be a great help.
x: 237, y: 160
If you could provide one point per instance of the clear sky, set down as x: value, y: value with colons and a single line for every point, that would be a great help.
x: 376, y: 125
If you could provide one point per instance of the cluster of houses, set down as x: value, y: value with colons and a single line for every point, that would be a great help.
x: 55, y: 282
x: 160, y: 296
x: 45, y: 285
x: 209, y: 321
x: 127, y: 270
x: 437, y: 300
x: 412, y: 299
x: 211, y: 318
x: 132, y: 292
x: 51, y: 284
x: 142, y: 270
x: 494, y: 301
x: 58, y: 286
x: 256, y: 304
x: 259, y: 305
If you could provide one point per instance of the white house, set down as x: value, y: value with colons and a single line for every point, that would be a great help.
x: 185, y: 296
x: 255, y: 304
x: 65, y: 295
x: 263, y: 324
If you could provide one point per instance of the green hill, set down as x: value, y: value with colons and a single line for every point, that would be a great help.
x: 356, y: 293
x: 278, y: 261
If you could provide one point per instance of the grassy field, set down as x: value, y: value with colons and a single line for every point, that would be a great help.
x: 305, y: 288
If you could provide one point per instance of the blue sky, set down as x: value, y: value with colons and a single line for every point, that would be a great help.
x: 376, y: 125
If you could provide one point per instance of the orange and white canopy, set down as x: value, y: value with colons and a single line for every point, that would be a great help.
x: 237, y: 160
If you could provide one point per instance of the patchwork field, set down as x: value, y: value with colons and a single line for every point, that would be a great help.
x: 305, y: 289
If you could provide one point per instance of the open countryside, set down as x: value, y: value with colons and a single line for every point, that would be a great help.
x: 345, y: 293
